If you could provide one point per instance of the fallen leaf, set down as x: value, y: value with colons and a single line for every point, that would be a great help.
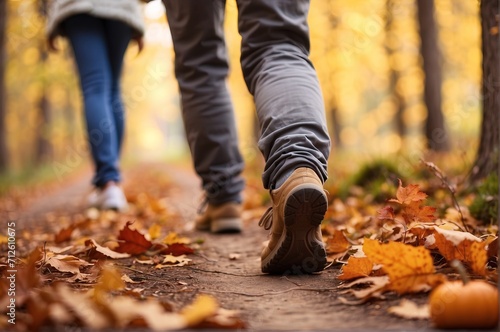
x: 132, y: 241
x: 203, y: 307
x: 173, y: 237
x: 386, y: 213
x: 356, y: 267
x: 337, y: 243
x: 64, y: 234
x: 410, y: 269
x: 127, y: 279
x: 104, y: 250
x: 377, y: 286
x: 177, y: 249
x: 410, y: 310
x: 170, y: 261
x: 127, y: 310
x: 234, y: 256
x: 154, y: 231
x: 83, y: 307
x: 65, y: 263
x: 406, y: 195
x: 413, y: 212
x: 462, y: 246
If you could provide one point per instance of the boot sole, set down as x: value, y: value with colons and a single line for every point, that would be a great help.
x: 298, y: 250
x: 226, y: 225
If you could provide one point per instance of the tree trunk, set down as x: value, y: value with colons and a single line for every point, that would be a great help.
x: 335, y: 132
x: 488, y: 151
x: 435, y: 130
x: 396, y: 96
x: 43, y: 146
x: 3, y: 104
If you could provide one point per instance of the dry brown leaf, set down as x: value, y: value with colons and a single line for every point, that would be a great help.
x: 170, y: 261
x: 83, y: 307
x: 410, y: 310
x: 104, y: 250
x: 377, y: 286
x: 356, y: 267
x: 126, y: 310
x: 65, y: 263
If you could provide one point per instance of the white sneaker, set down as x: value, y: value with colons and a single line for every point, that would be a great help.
x: 110, y: 198
x: 113, y: 198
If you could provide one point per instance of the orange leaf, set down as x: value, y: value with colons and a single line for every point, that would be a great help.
x: 406, y: 195
x: 337, y: 242
x: 410, y: 269
x: 462, y: 246
x: 414, y: 212
x: 356, y: 267
x: 64, y: 234
x: 132, y: 242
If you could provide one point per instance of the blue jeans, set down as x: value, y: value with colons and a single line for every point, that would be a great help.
x: 278, y: 73
x: 99, y: 46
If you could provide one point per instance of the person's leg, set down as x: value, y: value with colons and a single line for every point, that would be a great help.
x: 118, y: 36
x: 201, y: 68
x: 87, y: 37
x: 294, y: 139
x: 278, y: 73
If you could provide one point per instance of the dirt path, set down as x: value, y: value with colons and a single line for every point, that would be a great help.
x: 266, y: 302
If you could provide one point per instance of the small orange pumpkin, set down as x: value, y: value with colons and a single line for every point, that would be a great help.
x: 471, y: 305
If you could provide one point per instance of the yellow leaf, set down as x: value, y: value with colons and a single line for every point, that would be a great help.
x: 356, y: 267
x: 154, y: 231
x: 173, y: 237
x: 203, y: 307
x: 110, y: 280
x: 337, y: 243
x: 410, y: 269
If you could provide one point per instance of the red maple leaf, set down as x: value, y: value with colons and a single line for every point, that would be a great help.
x: 131, y: 241
x: 174, y: 249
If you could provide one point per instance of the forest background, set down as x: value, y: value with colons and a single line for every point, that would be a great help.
x: 398, y: 77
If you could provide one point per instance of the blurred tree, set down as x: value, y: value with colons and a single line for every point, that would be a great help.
x: 43, y: 146
x: 396, y: 95
x: 435, y: 130
x: 488, y: 152
x: 3, y: 110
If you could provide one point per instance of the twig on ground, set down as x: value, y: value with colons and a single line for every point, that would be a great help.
x: 439, y: 174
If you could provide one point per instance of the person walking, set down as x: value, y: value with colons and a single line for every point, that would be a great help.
x: 99, y: 32
x: 293, y: 134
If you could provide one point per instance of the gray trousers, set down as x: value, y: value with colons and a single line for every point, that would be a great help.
x: 277, y: 72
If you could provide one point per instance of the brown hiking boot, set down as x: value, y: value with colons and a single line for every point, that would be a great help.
x: 224, y: 218
x: 296, y: 245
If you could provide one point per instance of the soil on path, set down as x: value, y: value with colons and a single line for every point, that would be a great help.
x: 265, y: 302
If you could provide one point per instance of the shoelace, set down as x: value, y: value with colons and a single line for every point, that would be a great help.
x: 203, y: 205
x: 267, y: 219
